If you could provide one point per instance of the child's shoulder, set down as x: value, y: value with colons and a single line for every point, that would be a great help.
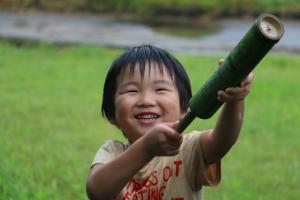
x: 194, y: 134
x: 114, y: 145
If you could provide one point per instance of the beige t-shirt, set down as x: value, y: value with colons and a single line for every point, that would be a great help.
x: 169, y: 177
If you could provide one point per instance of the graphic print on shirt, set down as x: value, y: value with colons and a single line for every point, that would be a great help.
x: 154, y: 187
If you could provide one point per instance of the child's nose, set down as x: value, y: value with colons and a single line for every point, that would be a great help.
x: 146, y: 99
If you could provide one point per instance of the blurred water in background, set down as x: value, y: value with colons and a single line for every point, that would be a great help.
x: 100, y: 30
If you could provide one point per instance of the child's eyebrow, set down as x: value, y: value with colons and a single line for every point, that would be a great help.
x: 164, y: 82
x: 129, y: 83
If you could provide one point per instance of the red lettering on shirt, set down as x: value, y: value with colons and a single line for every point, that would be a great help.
x: 154, y: 194
x: 141, y: 193
x: 135, y: 197
x: 154, y: 187
x: 167, y: 173
x: 127, y: 196
x: 153, y: 178
x: 177, y: 163
x: 161, y: 192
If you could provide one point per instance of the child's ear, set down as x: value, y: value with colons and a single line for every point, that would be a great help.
x: 113, y: 121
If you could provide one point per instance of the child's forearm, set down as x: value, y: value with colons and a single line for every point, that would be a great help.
x: 229, y: 123
x: 225, y: 133
x: 107, y: 180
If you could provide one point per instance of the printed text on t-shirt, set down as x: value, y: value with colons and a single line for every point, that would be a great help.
x: 154, y: 187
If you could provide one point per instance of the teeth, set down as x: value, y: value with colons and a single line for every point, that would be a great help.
x: 149, y: 117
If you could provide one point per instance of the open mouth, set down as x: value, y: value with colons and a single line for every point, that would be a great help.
x: 147, y: 118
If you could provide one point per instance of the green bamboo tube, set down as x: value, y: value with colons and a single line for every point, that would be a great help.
x: 266, y: 31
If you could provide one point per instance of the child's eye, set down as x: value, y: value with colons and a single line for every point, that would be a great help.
x: 162, y: 90
x: 131, y: 91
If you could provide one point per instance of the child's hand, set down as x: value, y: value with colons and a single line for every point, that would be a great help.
x: 235, y: 94
x: 163, y: 140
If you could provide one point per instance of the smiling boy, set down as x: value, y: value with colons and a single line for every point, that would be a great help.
x: 146, y: 93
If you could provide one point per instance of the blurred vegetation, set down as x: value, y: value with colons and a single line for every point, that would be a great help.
x: 284, y: 8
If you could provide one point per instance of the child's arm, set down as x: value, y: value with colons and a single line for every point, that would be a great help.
x: 107, y: 180
x: 217, y: 143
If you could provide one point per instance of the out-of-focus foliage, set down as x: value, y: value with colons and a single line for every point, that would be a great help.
x: 182, y: 7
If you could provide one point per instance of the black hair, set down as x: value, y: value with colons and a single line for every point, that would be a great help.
x: 143, y: 55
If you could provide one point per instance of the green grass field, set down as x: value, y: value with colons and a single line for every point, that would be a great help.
x: 51, y: 127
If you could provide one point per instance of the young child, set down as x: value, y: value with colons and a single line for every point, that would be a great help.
x: 146, y: 93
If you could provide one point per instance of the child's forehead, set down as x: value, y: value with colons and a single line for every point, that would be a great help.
x: 146, y: 69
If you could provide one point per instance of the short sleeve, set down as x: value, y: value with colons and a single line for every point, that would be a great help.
x: 197, y: 172
x: 108, y: 151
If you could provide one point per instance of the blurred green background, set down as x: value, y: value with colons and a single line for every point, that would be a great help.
x: 151, y: 6
x: 51, y: 125
x: 50, y: 96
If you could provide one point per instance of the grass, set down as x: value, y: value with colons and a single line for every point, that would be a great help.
x: 51, y: 127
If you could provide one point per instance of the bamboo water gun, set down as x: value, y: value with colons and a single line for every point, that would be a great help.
x: 266, y: 31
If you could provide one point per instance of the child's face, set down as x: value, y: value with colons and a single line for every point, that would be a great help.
x: 140, y: 103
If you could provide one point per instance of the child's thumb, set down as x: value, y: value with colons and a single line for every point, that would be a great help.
x: 172, y: 124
